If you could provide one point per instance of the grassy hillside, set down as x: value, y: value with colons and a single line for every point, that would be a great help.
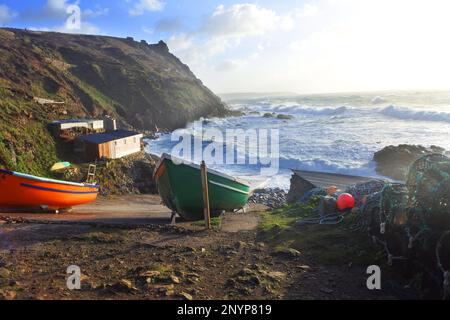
x: 141, y: 85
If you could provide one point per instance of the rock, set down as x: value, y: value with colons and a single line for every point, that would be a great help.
x: 149, y: 274
x: 246, y: 272
x: 192, y: 275
x: 271, y: 197
x: 241, y: 245
x: 326, y: 290
x: 175, y: 279
x: 248, y: 277
x: 167, y: 290
x: 192, y: 280
x: 4, y: 273
x: 285, y: 117
x: 268, y: 115
x: 185, y: 296
x: 231, y: 283
x: 124, y: 285
x: 298, y: 188
x: 276, y: 229
x: 290, y: 252
x: 276, y: 275
x: 304, y: 267
x: 245, y: 291
x: 7, y: 295
x: 268, y: 289
x: 394, y: 161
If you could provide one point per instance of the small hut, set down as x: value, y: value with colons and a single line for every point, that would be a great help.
x: 108, y: 145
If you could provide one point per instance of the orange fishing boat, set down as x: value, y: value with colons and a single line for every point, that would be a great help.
x: 19, y: 190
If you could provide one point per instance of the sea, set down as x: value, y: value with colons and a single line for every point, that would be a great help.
x: 336, y: 133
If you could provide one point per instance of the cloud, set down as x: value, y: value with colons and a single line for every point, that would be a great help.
x: 6, y: 14
x: 94, y: 13
x: 242, y: 20
x: 308, y: 10
x: 169, y: 25
x: 141, y: 6
x: 148, y: 30
x: 192, y: 51
x: 57, y: 10
x: 85, y: 28
x: 229, y: 64
x: 226, y: 28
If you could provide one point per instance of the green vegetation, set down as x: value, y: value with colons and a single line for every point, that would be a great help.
x: 25, y: 143
x: 330, y: 244
x: 142, y: 87
x: 215, y: 223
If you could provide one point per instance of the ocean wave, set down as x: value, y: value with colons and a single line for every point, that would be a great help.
x: 378, y: 100
x: 323, y: 165
x: 411, y: 114
x: 298, y: 109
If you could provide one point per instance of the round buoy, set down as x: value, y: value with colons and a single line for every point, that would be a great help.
x: 345, y: 201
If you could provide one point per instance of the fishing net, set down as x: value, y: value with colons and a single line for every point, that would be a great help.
x: 412, y: 222
x: 362, y: 190
x: 429, y: 192
x: 369, y: 214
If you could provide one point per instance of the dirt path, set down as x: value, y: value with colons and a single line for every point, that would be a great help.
x: 131, y: 209
x: 126, y: 261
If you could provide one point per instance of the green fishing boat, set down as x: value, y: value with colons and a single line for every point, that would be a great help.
x: 180, y: 187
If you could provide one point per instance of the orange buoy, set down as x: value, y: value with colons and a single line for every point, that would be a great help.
x: 345, y: 201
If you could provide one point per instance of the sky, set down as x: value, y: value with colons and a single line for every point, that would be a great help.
x: 301, y: 46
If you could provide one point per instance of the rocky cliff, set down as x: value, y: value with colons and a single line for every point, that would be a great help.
x: 143, y: 86
x: 394, y: 161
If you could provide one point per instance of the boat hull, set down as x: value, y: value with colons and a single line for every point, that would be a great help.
x: 180, y: 188
x: 24, y: 191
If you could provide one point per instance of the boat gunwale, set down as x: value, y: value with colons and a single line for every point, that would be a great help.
x: 47, y: 180
x: 57, y: 190
x: 165, y: 156
x: 343, y: 175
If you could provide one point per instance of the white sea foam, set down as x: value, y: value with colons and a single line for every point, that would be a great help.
x: 298, y: 109
x: 414, y: 114
x: 378, y: 100
x: 334, y: 133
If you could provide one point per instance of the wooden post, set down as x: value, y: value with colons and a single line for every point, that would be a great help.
x: 206, y: 211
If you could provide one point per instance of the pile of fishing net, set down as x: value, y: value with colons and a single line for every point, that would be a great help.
x: 412, y: 221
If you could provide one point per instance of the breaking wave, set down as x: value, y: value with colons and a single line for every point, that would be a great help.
x: 411, y: 114
x: 297, y: 109
x: 326, y: 165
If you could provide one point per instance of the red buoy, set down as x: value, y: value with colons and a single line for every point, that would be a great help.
x: 345, y: 201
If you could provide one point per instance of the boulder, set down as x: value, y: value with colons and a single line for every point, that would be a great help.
x: 394, y: 161
x: 285, y: 117
x: 299, y: 187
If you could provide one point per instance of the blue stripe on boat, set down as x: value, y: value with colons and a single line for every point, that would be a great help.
x: 57, y: 190
x: 31, y: 177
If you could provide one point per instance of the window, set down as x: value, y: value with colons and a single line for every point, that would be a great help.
x: 115, y: 143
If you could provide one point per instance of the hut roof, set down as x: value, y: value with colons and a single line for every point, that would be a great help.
x: 107, y: 136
